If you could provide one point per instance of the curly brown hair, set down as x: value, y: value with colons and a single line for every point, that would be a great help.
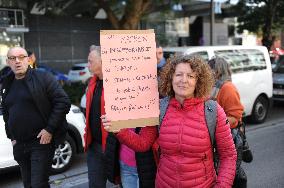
x: 205, y: 79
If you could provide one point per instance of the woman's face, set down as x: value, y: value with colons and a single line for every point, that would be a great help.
x: 184, y: 81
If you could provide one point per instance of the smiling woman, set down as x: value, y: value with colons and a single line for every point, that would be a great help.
x: 186, y: 70
x: 184, y: 140
x: 184, y: 82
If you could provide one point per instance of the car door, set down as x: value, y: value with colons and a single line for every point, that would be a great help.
x: 6, y: 151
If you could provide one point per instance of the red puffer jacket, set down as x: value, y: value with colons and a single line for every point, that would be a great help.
x: 186, y: 153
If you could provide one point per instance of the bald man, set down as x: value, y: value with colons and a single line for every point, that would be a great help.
x: 34, y: 111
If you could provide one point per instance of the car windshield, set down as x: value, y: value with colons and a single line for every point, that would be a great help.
x: 278, y: 64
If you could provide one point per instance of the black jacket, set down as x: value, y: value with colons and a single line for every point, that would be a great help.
x: 49, y: 97
x: 145, y: 162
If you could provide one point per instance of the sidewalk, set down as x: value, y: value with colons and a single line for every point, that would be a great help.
x: 76, y: 180
x: 75, y: 177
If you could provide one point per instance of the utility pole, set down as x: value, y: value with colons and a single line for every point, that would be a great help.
x: 212, y: 21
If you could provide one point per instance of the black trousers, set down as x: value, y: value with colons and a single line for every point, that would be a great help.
x: 96, y: 166
x: 35, y: 162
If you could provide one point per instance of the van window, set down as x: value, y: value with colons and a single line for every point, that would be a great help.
x: 203, y: 54
x: 243, y: 60
x: 170, y: 54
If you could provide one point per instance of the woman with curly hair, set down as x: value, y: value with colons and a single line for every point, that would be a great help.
x: 186, y: 157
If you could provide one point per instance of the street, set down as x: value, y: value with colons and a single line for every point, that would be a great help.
x: 266, y: 170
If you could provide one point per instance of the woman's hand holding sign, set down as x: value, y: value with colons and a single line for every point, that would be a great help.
x: 107, y: 124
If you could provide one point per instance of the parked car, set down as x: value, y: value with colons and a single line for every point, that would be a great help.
x: 79, y: 73
x: 252, y: 74
x: 83, y: 103
x: 64, y: 153
x: 62, y: 78
x: 278, y: 78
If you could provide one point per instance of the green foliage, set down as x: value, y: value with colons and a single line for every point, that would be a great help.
x: 75, y: 91
x: 253, y: 14
x: 261, y: 17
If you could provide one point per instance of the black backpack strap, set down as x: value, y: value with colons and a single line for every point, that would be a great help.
x: 164, y: 103
x: 210, y: 109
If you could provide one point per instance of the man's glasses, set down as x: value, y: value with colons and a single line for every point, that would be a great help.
x: 18, y: 58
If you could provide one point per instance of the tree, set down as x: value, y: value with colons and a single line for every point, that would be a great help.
x: 261, y: 16
x: 132, y: 13
x: 121, y: 14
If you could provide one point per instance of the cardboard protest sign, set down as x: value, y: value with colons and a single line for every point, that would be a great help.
x: 130, y: 77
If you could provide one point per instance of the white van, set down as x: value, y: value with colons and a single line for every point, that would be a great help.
x: 252, y: 74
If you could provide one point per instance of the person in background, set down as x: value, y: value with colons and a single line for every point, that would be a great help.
x: 104, y: 152
x: 92, y: 47
x: 3, y: 73
x: 34, y: 112
x: 276, y: 47
x: 32, y: 59
x: 186, y: 157
x: 276, y: 50
x: 161, y: 61
x: 227, y: 95
x: 95, y: 135
x: 83, y: 98
x: 137, y: 165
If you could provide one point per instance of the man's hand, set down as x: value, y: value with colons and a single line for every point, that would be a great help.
x: 14, y: 142
x: 45, y: 137
x: 107, y: 124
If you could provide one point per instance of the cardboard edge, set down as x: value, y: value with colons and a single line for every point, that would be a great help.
x: 108, y: 32
x: 133, y: 123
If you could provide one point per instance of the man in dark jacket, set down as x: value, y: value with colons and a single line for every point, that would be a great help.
x: 34, y: 111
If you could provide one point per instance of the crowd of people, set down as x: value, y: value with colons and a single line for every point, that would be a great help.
x: 176, y: 153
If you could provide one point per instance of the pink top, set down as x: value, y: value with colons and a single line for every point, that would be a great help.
x: 127, y: 155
